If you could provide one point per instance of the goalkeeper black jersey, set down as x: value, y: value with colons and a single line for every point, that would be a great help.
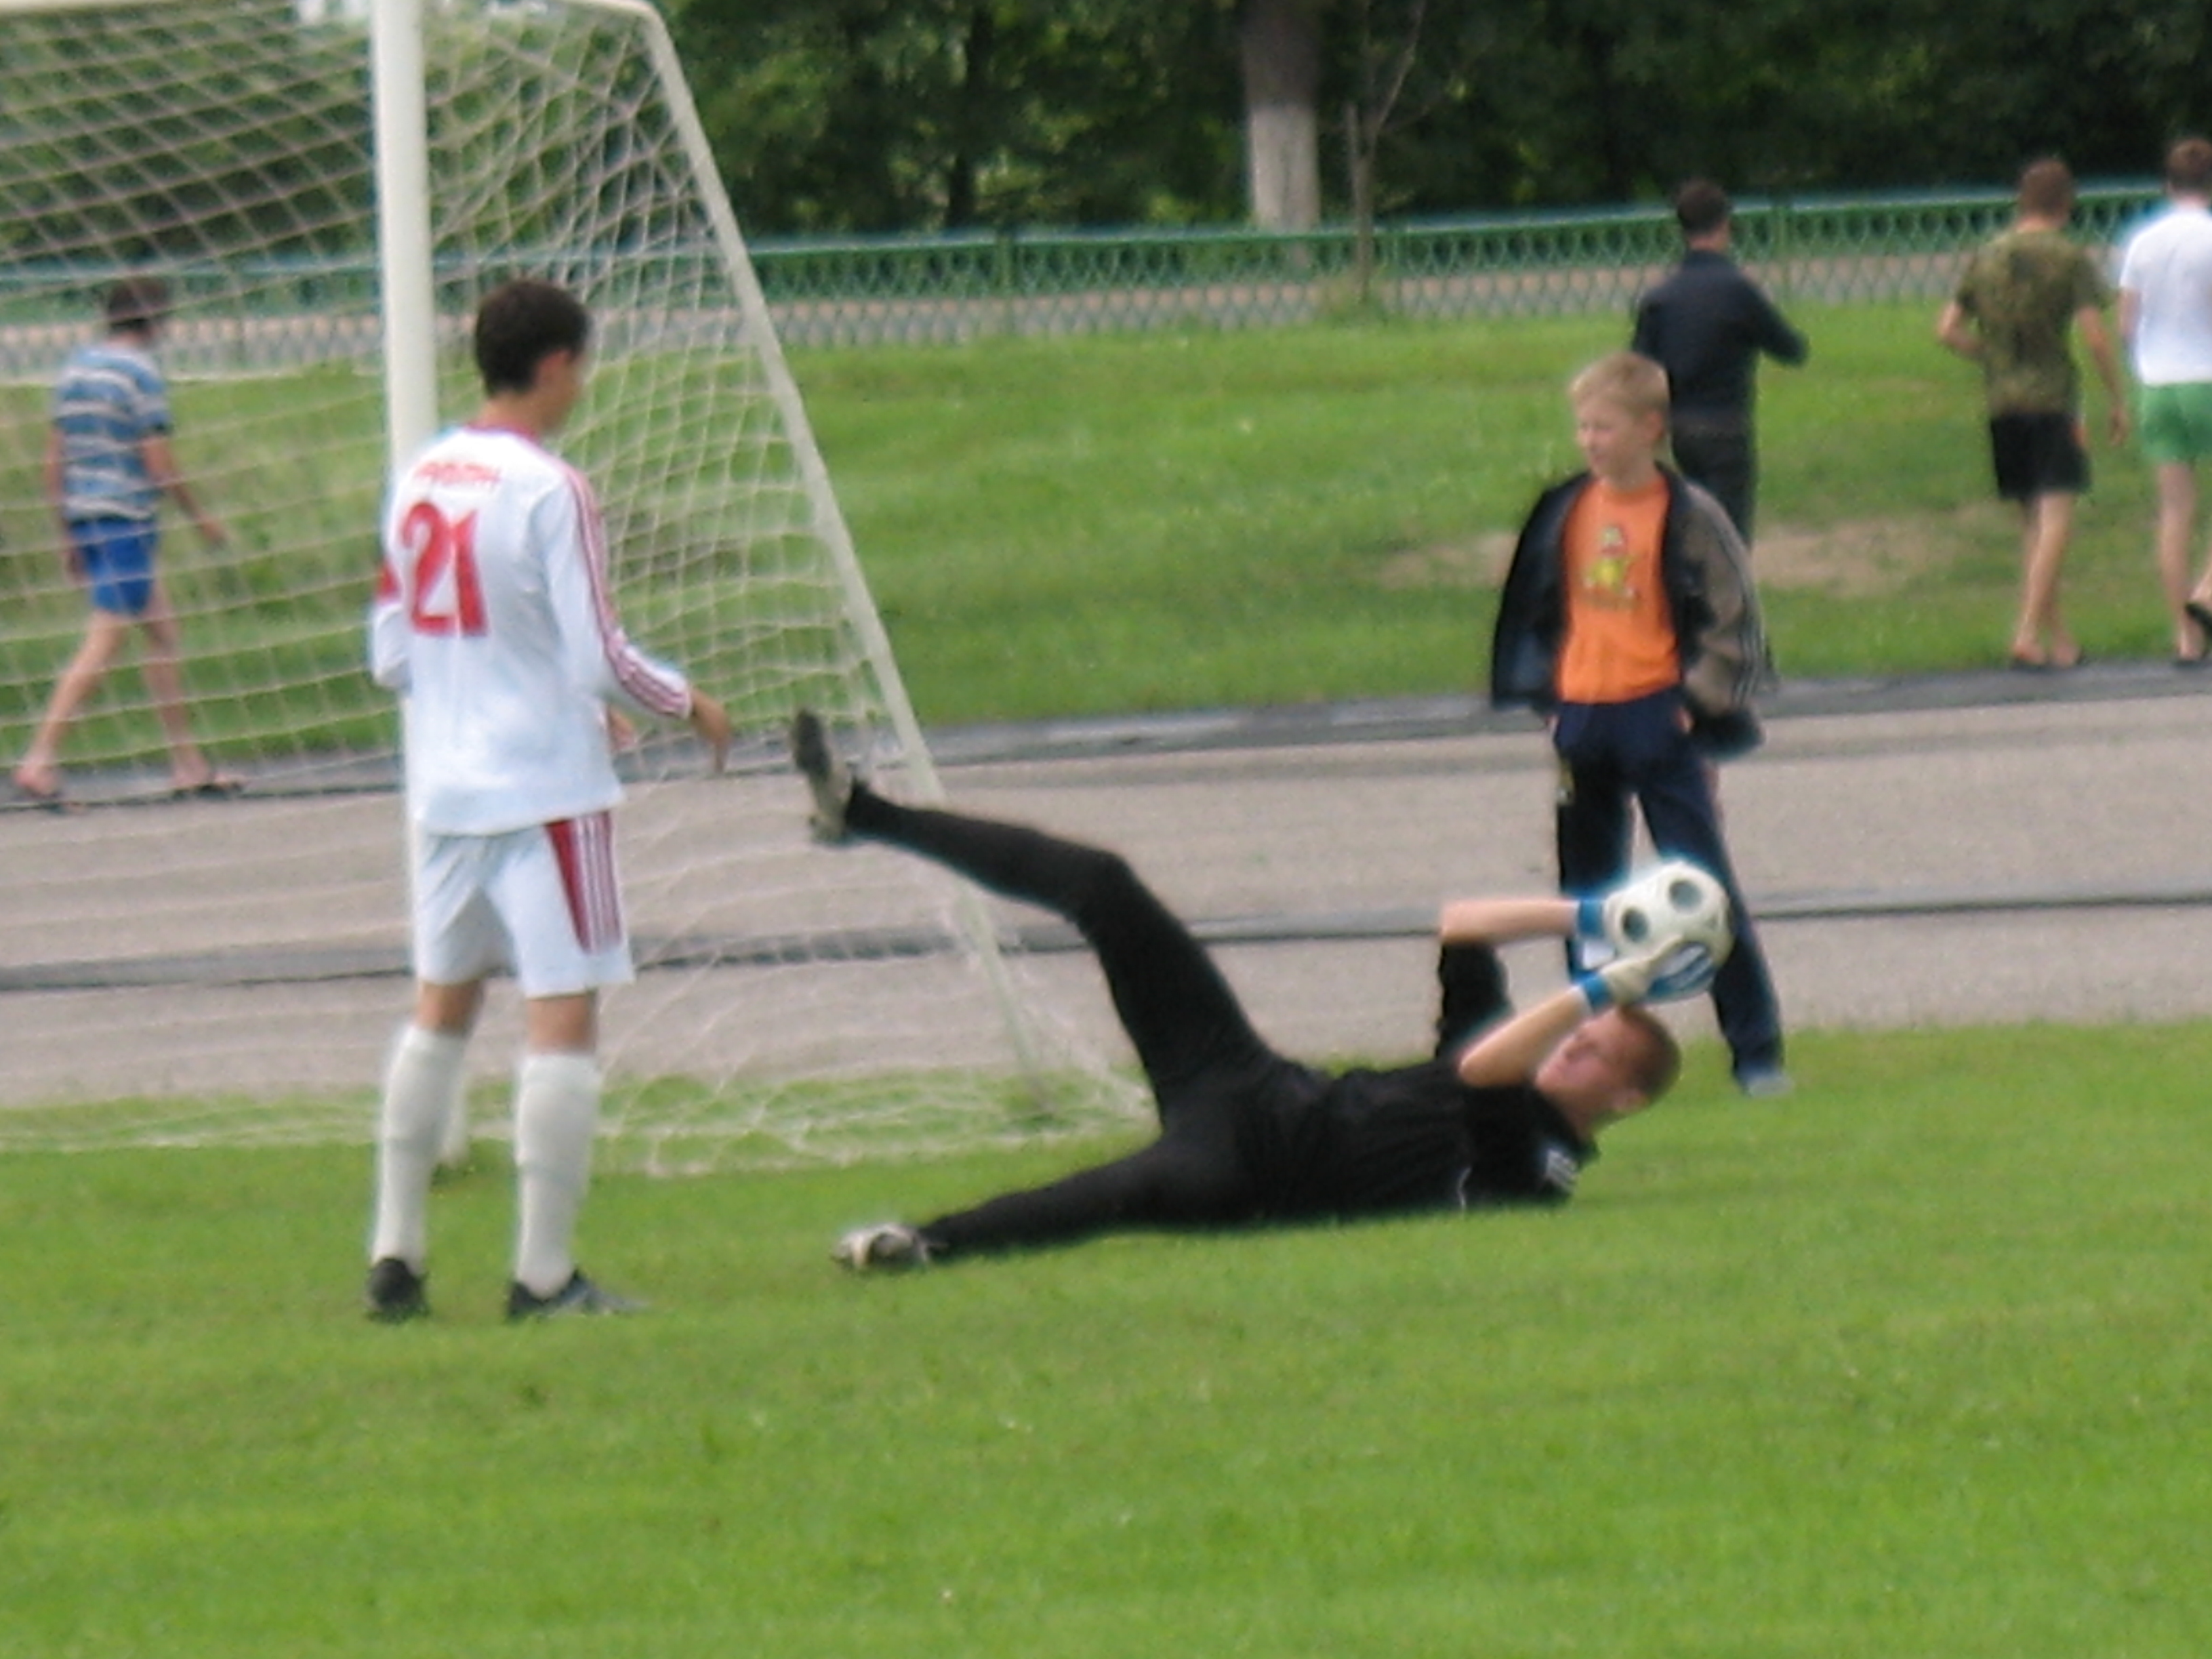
x: 1415, y: 1138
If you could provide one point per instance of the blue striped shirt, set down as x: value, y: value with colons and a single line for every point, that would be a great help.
x: 108, y: 400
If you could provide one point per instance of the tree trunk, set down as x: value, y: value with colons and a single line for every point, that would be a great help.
x: 974, y: 121
x: 1359, y: 160
x: 1280, y: 43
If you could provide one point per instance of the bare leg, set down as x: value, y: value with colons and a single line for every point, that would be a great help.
x: 39, y: 770
x: 2177, y: 514
x: 2047, y: 526
x: 161, y: 666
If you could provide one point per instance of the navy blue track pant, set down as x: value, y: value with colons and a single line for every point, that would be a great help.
x: 1617, y: 757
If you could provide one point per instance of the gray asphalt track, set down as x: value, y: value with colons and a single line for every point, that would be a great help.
x: 1989, y: 848
x: 1994, y: 848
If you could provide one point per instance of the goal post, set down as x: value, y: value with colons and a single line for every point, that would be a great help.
x: 408, y: 300
x: 326, y: 186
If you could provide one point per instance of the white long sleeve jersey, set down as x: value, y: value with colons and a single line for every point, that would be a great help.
x: 493, y: 622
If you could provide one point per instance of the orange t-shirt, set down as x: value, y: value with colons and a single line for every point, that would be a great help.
x: 1619, y: 643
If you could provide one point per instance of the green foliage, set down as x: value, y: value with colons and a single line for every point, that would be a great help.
x: 861, y: 115
x: 1913, y: 1365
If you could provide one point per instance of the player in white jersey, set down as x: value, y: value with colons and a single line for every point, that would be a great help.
x: 494, y: 624
x: 2165, y: 318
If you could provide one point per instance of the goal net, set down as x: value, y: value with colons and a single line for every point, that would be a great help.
x: 195, y: 970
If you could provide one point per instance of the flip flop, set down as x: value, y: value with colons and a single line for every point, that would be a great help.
x: 2200, y: 613
x: 46, y: 800
x: 215, y: 788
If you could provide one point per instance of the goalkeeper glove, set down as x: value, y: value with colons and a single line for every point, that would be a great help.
x: 1673, y: 971
x: 1620, y: 982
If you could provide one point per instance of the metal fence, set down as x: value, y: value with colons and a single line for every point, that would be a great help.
x: 858, y: 291
x: 946, y: 289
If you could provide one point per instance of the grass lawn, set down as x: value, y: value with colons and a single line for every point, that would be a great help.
x: 1191, y: 519
x: 1185, y: 521
x: 1913, y: 1365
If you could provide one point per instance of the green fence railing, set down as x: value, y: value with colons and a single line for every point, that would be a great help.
x: 857, y: 291
x: 930, y: 289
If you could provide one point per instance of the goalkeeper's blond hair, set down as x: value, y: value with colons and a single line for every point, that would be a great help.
x: 1627, y: 380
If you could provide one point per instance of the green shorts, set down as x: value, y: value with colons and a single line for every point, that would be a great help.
x: 2174, y: 422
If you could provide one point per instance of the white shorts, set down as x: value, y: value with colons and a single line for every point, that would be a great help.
x: 545, y: 901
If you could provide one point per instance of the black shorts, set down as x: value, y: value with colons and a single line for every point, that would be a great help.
x: 2038, y: 455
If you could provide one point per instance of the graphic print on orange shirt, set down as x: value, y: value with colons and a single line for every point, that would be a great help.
x: 1619, y: 641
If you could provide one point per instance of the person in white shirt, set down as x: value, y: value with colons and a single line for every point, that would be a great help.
x: 2165, y: 318
x: 494, y: 624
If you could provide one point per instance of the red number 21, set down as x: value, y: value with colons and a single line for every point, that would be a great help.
x: 444, y: 549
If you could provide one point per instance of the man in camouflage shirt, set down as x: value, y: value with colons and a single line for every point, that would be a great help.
x: 2023, y: 296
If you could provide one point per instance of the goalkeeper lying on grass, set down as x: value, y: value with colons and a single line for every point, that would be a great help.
x: 1507, y: 1111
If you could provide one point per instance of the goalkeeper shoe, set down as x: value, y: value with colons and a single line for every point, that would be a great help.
x: 886, y: 1244
x: 578, y: 1296
x: 830, y: 778
x: 396, y: 1293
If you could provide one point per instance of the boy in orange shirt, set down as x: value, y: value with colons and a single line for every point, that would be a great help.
x: 1630, y: 619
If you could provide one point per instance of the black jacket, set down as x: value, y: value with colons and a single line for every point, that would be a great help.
x: 1705, y: 325
x: 1718, y: 634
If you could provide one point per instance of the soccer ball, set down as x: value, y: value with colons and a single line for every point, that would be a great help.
x: 1678, y: 909
x: 1671, y: 903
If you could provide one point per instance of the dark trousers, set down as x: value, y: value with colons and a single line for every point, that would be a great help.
x: 1205, y: 1064
x: 1617, y: 757
x: 1720, y: 455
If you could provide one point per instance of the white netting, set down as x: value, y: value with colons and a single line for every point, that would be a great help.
x: 202, y: 970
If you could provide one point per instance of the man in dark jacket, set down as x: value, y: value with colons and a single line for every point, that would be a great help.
x: 1706, y: 325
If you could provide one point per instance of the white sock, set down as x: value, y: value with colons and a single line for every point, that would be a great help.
x: 421, y: 1079
x: 454, y: 1145
x: 557, y: 1112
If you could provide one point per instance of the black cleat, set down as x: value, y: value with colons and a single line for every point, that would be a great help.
x: 577, y: 1296
x: 396, y: 1293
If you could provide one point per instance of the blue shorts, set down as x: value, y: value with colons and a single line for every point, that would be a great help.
x: 118, y: 556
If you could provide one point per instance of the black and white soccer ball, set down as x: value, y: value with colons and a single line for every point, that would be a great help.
x: 1674, y: 902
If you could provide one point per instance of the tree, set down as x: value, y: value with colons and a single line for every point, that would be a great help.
x: 1280, y: 49
x: 830, y: 115
x: 835, y: 115
x: 1380, y: 62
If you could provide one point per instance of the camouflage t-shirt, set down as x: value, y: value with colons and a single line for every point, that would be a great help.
x: 2022, y: 292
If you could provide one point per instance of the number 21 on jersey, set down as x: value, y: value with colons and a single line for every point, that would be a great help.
x: 445, y: 595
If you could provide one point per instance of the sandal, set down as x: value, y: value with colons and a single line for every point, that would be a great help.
x: 217, y: 786
x: 46, y: 800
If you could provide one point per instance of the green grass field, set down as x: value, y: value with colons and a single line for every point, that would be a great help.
x: 1915, y: 1365
x: 1190, y: 519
